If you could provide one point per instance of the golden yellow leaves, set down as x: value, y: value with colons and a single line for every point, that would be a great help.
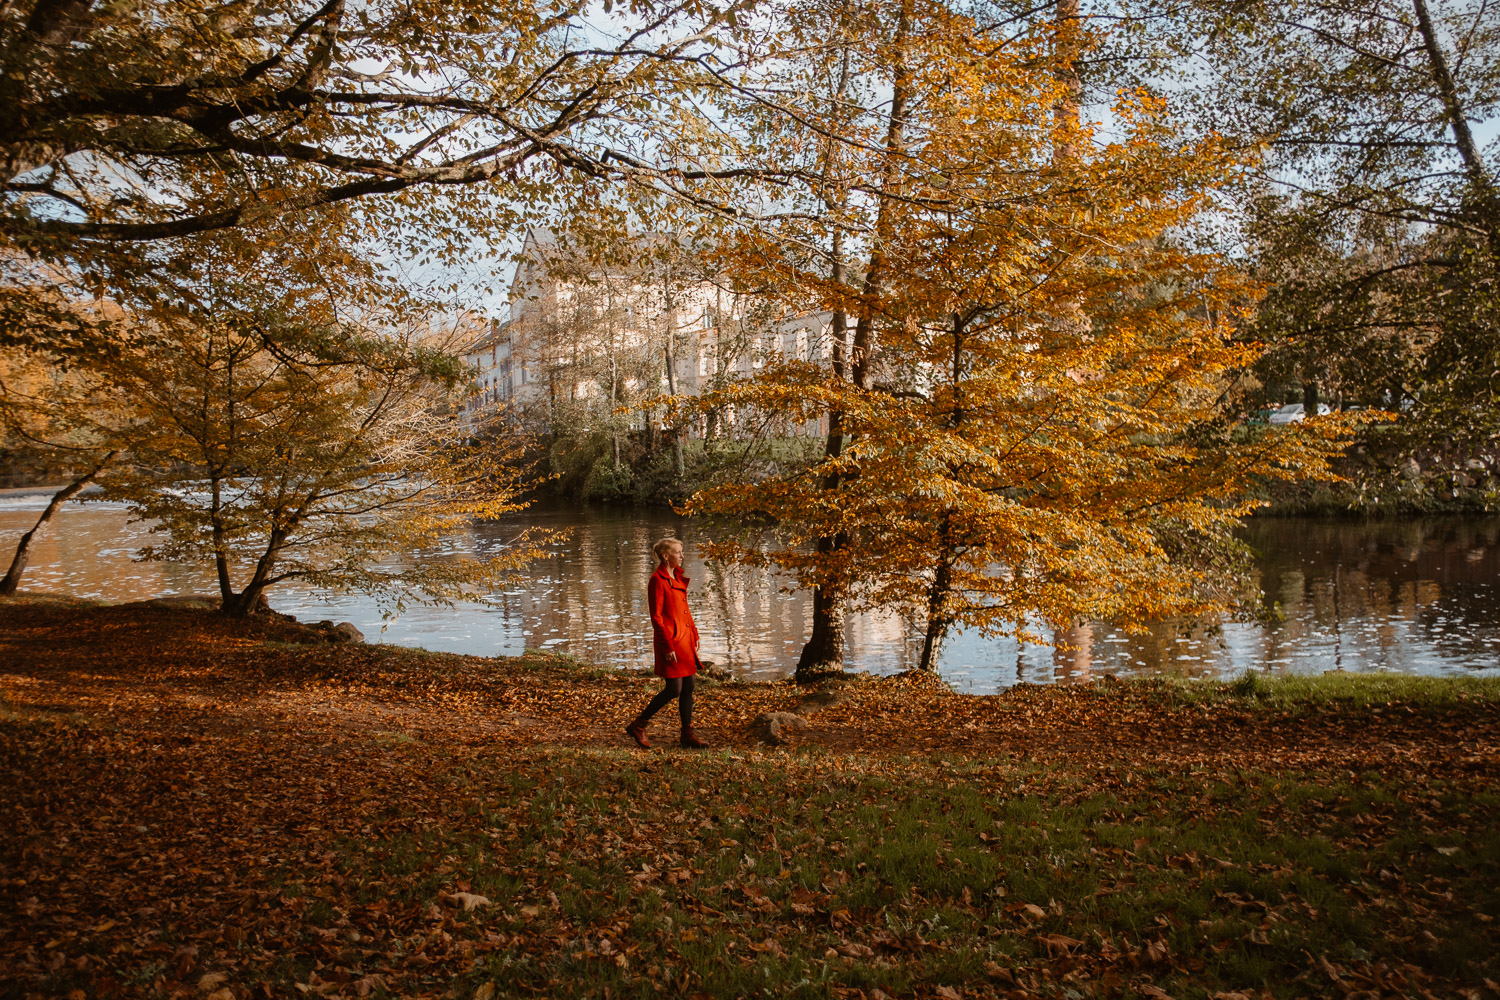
x: 1040, y: 423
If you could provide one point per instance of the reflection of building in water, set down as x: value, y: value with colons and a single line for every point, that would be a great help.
x: 588, y: 594
x: 867, y: 632
x: 1345, y: 594
x: 1072, y: 658
x: 757, y: 628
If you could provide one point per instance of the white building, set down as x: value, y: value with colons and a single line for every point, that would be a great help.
x: 490, y: 358
x: 605, y: 337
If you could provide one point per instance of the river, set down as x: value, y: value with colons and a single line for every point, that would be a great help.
x: 1416, y: 596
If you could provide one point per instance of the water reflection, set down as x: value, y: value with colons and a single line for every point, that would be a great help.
x: 588, y: 596
x: 1419, y: 596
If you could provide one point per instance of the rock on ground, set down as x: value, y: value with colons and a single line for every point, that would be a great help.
x: 346, y: 632
x: 713, y: 671
x: 776, y: 728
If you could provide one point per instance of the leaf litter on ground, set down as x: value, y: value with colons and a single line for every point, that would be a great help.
x: 199, y: 807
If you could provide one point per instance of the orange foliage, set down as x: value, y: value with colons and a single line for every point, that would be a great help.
x: 1031, y: 430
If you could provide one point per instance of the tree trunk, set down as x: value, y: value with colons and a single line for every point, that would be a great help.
x: 676, y: 430
x: 614, y: 403
x: 1310, y: 398
x: 1065, y: 114
x: 23, y: 547
x: 824, y: 649
x: 1458, y: 121
x: 938, y: 618
x: 221, y: 547
x: 937, y: 623
x: 671, y: 349
x: 245, y: 604
x: 252, y: 599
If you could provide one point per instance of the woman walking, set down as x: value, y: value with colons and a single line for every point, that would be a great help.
x: 675, y: 640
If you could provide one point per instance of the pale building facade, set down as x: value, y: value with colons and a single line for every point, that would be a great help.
x: 594, y: 339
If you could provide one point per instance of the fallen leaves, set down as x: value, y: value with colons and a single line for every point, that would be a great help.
x: 211, y: 981
x: 996, y: 971
x: 1058, y: 945
x: 468, y: 900
x: 195, y: 816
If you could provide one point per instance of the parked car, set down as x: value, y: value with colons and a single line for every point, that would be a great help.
x: 1293, y: 412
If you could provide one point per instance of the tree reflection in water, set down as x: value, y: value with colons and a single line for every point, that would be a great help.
x: 1418, y: 596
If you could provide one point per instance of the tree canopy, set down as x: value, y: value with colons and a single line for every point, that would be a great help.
x: 141, y: 121
x: 1027, y: 426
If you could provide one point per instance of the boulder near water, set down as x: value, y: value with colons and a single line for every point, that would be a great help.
x: 346, y: 632
x: 713, y: 671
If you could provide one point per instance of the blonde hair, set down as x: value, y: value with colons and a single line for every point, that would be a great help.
x: 661, y: 547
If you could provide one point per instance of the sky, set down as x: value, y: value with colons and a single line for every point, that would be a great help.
x: 482, y: 279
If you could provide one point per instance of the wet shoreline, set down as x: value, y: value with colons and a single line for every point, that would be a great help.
x: 1415, y: 596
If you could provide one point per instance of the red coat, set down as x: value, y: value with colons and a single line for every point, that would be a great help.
x: 672, y: 625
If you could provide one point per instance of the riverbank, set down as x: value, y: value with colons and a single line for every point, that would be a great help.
x: 235, y: 809
x: 1382, y: 474
x: 1413, y: 596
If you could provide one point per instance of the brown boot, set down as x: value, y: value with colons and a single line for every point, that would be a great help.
x: 690, y: 739
x: 637, y: 731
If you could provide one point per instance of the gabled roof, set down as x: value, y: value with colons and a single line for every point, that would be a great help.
x: 542, y: 250
x: 497, y: 332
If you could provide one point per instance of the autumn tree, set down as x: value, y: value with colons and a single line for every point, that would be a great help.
x: 829, y: 100
x: 65, y: 422
x: 1031, y: 433
x: 302, y: 427
x: 143, y: 121
x: 441, y: 127
x: 1374, y: 215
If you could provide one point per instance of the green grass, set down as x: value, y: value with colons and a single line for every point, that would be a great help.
x: 1329, y: 689
x: 625, y: 875
x: 44, y: 599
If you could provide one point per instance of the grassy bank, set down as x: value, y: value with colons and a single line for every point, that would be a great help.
x: 221, y: 810
x: 816, y: 876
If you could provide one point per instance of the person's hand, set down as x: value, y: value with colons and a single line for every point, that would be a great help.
x: 671, y: 656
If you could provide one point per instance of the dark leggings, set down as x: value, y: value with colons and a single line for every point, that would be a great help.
x: 680, y: 688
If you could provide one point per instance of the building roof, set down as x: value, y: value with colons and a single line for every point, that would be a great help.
x: 543, y: 250
x: 498, y: 331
